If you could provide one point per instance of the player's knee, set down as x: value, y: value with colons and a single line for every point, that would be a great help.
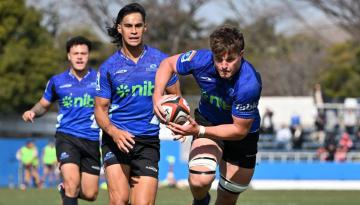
x: 231, y: 187
x: 89, y: 195
x: 202, y: 171
x: 117, y: 198
x: 71, y: 189
x: 200, y: 181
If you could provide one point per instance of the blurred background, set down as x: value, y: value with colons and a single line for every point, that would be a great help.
x: 307, y: 51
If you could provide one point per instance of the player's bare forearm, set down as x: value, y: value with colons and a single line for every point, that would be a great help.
x: 166, y: 69
x: 39, y: 110
x: 102, y: 115
x: 236, y: 131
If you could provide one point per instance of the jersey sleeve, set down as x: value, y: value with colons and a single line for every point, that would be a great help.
x: 246, y: 102
x: 49, y: 93
x: 103, y: 85
x: 190, y: 61
x: 172, y: 80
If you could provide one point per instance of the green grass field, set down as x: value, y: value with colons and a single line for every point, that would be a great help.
x: 168, y: 196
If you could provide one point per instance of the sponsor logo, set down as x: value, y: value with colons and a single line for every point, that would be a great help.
x: 95, y: 167
x: 64, y: 155
x: 65, y: 86
x: 250, y: 155
x: 246, y: 107
x: 152, y: 67
x: 84, y: 101
x: 187, y: 56
x: 98, y: 81
x: 108, y: 156
x: 145, y: 89
x: 206, y: 78
x: 121, y: 71
x: 92, y: 85
x: 151, y: 168
x: 215, y: 100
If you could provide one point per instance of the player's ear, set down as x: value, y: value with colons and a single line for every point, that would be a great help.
x: 241, y: 53
x: 68, y: 55
x: 119, y: 28
x: 145, y: 27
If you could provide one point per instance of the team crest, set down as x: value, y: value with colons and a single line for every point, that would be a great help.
x: 188, y: 56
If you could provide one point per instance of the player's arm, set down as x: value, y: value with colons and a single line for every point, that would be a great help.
x: 174, y: 89
x: 123, y: 139
x: 166, y: 69
x: 39, y: 109
x: 236, y: 131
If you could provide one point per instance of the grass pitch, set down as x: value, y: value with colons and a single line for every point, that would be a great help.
x: 169, y: 196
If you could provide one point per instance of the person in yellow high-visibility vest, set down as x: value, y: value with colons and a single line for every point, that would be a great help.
x: 49, y: 162
x: 28, y: 156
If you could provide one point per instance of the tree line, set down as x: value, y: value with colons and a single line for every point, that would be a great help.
x: 33, y: 36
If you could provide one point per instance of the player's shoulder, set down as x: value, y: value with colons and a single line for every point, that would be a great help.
x: 248, y: 80
x: 59, y: 76
x: 248, y: 73
x: 155, y: 52
x: 113, y: 60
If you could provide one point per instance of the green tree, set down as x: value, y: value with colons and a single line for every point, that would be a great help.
x: 27, y: 56
x: 341, y: 77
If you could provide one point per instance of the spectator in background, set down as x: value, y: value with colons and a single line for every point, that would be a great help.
x: 322, y: 153
x: 49, y: 164
x: 297, y: 137
x: 319, y: 134
x: 341, y: 154
x: 331, y: 150
x: 350, y: 120
x: 267, y: 124
x: 28, y: 156
x: 283, y: 137
x: 294, y: 121
x: 346, y: 141
x: 318, y: 98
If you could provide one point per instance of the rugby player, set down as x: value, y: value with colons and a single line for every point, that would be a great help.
x: 226, y: 125
x: 124, y: 111
x: 77, y: 134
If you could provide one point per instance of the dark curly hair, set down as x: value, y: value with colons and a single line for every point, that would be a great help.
x: 77, y: 40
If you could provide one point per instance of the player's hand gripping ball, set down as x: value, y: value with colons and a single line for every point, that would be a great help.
x: 176, y: 109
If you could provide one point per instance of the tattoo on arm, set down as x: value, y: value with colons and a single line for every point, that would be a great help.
x: 39, y: 110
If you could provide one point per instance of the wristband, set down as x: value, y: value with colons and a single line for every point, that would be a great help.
x: 201, y: 131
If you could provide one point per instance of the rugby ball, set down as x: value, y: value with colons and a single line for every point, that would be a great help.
x: 176, y: 109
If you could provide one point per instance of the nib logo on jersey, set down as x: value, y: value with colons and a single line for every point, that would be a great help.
x: 145, y: 89
x: 84, y: 101
x: 215, y: 100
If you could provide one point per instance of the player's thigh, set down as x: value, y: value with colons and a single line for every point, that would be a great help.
x: 143, y: 190
x: 117, y: 177
x: 204, y: 154
x: 205, y: 147
x: 235, y: 173
x: 89, y: 184
x: 70, y: 173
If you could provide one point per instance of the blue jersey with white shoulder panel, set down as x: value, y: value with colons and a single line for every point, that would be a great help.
x: 76, y: 103
x: 223, y: 98
x: 130, y: 86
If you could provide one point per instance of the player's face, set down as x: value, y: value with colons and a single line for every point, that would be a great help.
x: 78, y: 57
x: 228, y: 64
x: 132, y: 28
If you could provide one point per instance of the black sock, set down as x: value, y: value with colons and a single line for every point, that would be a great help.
x: 204, y: 201
x: 70, y: 201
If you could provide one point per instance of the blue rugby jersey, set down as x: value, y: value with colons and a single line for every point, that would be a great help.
x: 130, y: 86
x: 76, y: 104
x: 222, y: 98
